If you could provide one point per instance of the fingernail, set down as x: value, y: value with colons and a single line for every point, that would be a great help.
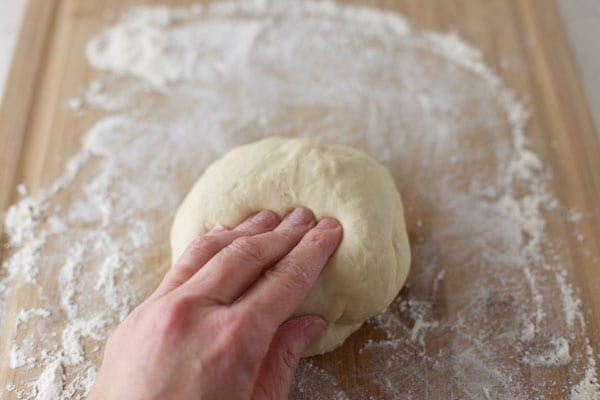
x: 300, y: 216
x: 328, y: 223
x: 265, y: 218
x: 314, y: 329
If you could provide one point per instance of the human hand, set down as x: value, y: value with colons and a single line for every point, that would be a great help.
x: 217, y: 326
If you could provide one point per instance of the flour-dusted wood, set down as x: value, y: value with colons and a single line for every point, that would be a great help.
x: 522, y: 41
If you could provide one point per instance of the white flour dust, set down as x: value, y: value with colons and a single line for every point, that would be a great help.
x: 488, y: 304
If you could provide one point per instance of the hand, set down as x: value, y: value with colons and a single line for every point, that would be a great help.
x: 217, y: 326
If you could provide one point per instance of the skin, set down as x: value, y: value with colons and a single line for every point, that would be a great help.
x: 218, y: 326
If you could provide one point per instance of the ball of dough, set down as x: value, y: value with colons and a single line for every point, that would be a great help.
x: 371, y: 263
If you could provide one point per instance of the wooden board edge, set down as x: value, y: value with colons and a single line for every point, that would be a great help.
x: 19, y: 95
x: 565, y: 106
x: 591, y: 132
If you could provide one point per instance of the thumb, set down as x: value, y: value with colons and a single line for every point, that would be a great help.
x: 290, y: 342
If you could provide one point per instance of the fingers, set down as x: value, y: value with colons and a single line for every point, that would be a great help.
x: 204, y: 247
x: 287, y: 347
x: 282, y: 288
x: 229, y: 274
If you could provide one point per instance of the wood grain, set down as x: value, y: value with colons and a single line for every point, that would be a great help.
x: 523, y: 41
x: 20, y: 95
x: 566, y: 123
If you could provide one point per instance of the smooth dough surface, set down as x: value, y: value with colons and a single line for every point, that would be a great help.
x: 371, y: 263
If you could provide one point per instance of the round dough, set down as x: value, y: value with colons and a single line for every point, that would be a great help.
x: 371, y: 263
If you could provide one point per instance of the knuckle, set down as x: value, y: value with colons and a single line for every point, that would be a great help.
x: 289, y: 358
x: 179, y: 273
x: 204, y: 243
x: 174, y: 315
x: 249, y: 249
x: 296, y: 283
x: 289, y: 236
x: 321, y: 240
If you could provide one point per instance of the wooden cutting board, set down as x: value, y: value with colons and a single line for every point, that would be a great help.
x: 37, y: 136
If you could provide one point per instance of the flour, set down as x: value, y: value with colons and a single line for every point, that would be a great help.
x: 574, y: 216
x: 571, y: 304
x: 21, y: 355
x: 26, y: 315
x: 588, y: 387
x: 557, y: 354
x: 489, y: 294
x: 26, y: 260
x: 67, y: 278
x: 21, y: 219
x: 311, y: 381
x: 94, y: 328
x: 75, y: 104
x: 51, y: 382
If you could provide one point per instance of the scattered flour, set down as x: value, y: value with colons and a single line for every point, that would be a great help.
x: 26, y: 315
x: 75, y: 104
x: 182, y: 86
x: 21, y: 219
x: 574, y: 216
x: 557, y: 354
x: 20, y: 356
x: 588, y: 387
x: 51, y: 382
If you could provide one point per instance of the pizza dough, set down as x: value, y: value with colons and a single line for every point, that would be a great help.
x: 278, y: 174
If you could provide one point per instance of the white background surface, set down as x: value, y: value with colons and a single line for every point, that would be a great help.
x: 11, y: 13
x: 582, y: 20
x: 581, y: 17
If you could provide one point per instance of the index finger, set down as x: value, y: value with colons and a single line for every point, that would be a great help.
x: 282, y: 288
